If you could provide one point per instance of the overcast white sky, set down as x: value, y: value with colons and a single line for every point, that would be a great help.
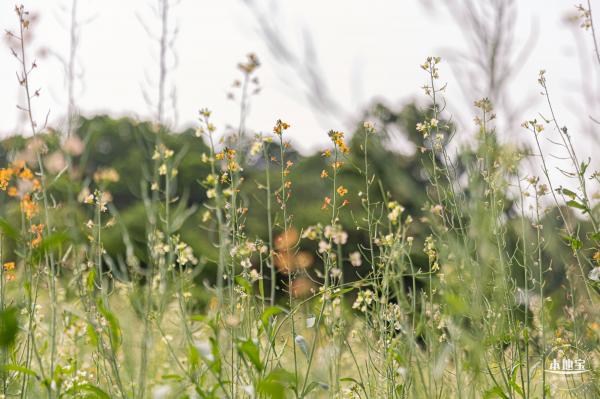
x: 365, y: 50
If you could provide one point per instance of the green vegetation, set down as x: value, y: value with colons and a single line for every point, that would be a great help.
x: 139, y: 262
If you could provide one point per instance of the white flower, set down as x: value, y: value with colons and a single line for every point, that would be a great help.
x: 161, y: 391
x: 249, y: 389
x: 246, y: 264
x: 254, y: 275
x: 336, y: 272
x: 595, y: 274
x: 324, y: 246
x: 340, y: 238
x: 256, y: 148
x: 355, y: 259
x: 205, y: 350
x: 162, y: 170
x: 302, y: 344
x: 310, y: 321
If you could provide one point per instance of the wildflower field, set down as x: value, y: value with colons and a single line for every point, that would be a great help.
x: 140, y: 262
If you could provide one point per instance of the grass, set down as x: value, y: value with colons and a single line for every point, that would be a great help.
x: 475, y: 320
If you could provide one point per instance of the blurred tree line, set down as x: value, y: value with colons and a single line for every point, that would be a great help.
x: 101, y: 146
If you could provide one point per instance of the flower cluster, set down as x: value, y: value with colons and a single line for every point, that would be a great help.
x: 280, y: 127
x: 585, y: 16
x: 431, y: 252
x: 99, y: 198
x: 185, y: 253
x: 106, y: 175
x: 338, y: 140
x: 250, y: 65
x: 363, y: 300
x: 9, y: 271
x: 426, y: 127
x: 392, y: 313
x: 229, y: 155
x: 208, y: 126
x: 23, y: 179
x: 163, y: 154
x: 36, y: 231
x: 369, y: 127
x: 533, y: 125
x: 336, y: 234
x: 29, y: 207
x: 395, y: 211
x: 431, y: 65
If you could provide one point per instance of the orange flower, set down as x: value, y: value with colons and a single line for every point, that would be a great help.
x: 326, y: 203
x: 324, y: 174
x: 37, y: 229
x: 12, y: 192
x: 342, y: 191
x: 9, y: 266
x: 284, y: 261
x: 29, y: 207
x: 303, y: 260
x: 301, y: 287
x: 17, y: 166
x: 26, y: 174
x: 287, y: 239
x: 5, y: 175
x: 251, y: 64
x: 280, y: 126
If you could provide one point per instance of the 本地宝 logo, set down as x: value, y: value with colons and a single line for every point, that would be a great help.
x: 568, y: 368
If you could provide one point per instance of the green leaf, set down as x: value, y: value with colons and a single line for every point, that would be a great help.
x: 341, y: 292
x: 517, y: 388
x: 175, y: 377
x: 575, y: 204
x: 495, y: 392
x: 575, y: 243
x: 216, y: 363
x: 568, y: 193
x: 8, y: 230
x: 90, y: 280
x: 244, y: 284
x: 584, y: 167
x: 198, y: 317
x: 92, y: 335
x: 275, y: 383
x: 19, y: 369
x: 94, y: 390
x: 52, y: 241
x: 9, y: 326
x: 270, y: 312
x: 252, y: 353
x: 316, y: 384
x: 113, y: 325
